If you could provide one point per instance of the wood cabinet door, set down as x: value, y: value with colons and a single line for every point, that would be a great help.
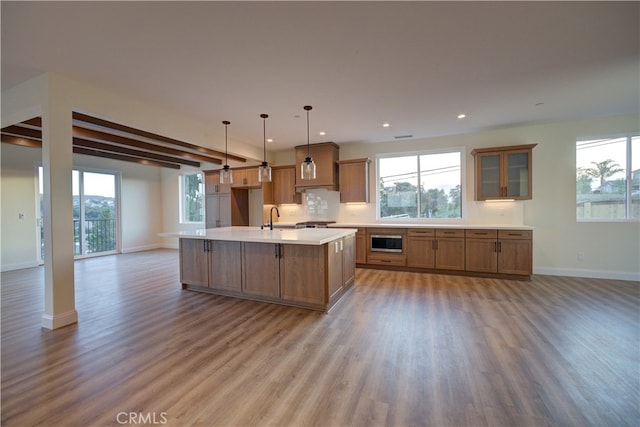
x: 212, y: 184
x: 420, y: 252
x: 262, y: 269
x: 450, y: 253
x: 361, y: 247
x: 481, y: 255
x: 516, y: 174
x: 284, y: 186
x: 225, y: 261
x: 302, y: 273
x: 348, y: 260
x: 515, y: 256
x: 488, y: 176
x: 354, y: 181
x: 194, y: 262
x: 335, y: 267
x: 239, y: 178
x: 218, y: 210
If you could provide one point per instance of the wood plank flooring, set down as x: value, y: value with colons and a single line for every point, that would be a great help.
x: 401, y: 349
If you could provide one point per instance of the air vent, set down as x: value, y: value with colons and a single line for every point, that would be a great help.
x: 403, y: 136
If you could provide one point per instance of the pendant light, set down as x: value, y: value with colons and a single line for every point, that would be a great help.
x: 264, y: 171
x: 308, y: 167
x: 226, y: 174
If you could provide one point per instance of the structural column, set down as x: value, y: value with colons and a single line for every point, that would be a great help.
x: 57, y: 159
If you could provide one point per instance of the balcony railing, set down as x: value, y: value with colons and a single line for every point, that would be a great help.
x: 100, y: 236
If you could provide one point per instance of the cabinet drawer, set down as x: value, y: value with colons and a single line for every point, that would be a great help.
x: 515, y: 234
x: 386, y: 259
x: 450, y: 233
x: 482, y: 234
x: 420, y: 232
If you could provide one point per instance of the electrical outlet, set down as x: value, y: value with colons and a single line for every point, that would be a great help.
x: 580, y: 256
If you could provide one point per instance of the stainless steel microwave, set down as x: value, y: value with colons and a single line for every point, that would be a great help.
x: 386, y: 243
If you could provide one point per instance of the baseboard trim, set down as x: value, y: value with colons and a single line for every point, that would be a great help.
x: 594, y: 274
x: 141, y: 248
x: 59, y: 320
x: 20, y: 266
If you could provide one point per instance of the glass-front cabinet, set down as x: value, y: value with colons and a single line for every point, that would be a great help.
x: 503, y: 172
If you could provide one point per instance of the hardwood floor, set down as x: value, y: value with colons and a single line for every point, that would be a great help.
x: 400, y: 349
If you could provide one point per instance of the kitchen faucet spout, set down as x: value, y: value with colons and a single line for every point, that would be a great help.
x: 271, y: 216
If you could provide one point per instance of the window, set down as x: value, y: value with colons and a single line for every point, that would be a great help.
x: 192, y: 197
x: 420, y: 185
x: 96, y: 200
x: 608, y: 178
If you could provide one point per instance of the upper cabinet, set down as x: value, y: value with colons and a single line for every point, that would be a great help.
x: 284, y: 185
x: 354, y: 180
x: 503, y: 172
x: 212, y: 183
x: 325, y: 156
x: 246, y: 178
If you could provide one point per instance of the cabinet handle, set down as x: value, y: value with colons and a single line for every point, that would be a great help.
x: 341, y: 245
x: 495, y: 246
x: 215, y: 188
x: 275, y: 247
x: 499, y: 246
x: 385, y: 260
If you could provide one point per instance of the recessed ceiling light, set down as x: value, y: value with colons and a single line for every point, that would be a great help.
x: 462, y: 116
x: 323, y: 133
x: 269, y: 140
x: 385, y: 125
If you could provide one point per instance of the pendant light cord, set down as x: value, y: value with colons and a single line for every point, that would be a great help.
x: 307, y: 109
x: 264, y: 137
x: 226, y: 160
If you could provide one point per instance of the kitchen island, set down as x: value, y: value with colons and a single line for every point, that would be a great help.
x: 310, y: 267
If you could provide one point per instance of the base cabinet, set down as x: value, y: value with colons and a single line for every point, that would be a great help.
x: 421, y: 248
x: 225, y: 264
x: 311, y: 276
x: 194, y: 262
x: 449, y: 249
x: 300, y: 281
x: 211, y: 264
x: 361, y: 246
x: 263, y: 277
x: 499, y: 251
x: 486, y: 251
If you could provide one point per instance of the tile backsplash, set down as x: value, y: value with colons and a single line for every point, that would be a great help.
x: 317, y: 204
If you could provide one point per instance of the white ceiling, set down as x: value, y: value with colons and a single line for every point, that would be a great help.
x: 416, y: 65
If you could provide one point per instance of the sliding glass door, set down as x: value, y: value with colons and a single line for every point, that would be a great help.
x: 95, y: 208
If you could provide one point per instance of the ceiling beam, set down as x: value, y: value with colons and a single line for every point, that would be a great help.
x: 23, y: 132
x: 108, y: 137
x: 24, y: 142
x: 111, y: 125
x: 125, y: 158
x: 85, y: 143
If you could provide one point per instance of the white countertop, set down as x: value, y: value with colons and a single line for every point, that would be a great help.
x: 414, y: 225
x: 301, y: 236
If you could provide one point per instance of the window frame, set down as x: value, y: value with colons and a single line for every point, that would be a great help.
x: 628, y: 165
x: 182, y: 205
x: 461, y: 150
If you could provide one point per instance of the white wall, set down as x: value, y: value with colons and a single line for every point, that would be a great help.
x: 610, y: 249
x: 140, y: 208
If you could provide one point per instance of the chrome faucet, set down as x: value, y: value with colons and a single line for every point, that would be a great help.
x: 271, y: 216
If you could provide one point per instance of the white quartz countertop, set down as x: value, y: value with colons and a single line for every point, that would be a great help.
x: 301, y: 236
x: 414, y: 225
